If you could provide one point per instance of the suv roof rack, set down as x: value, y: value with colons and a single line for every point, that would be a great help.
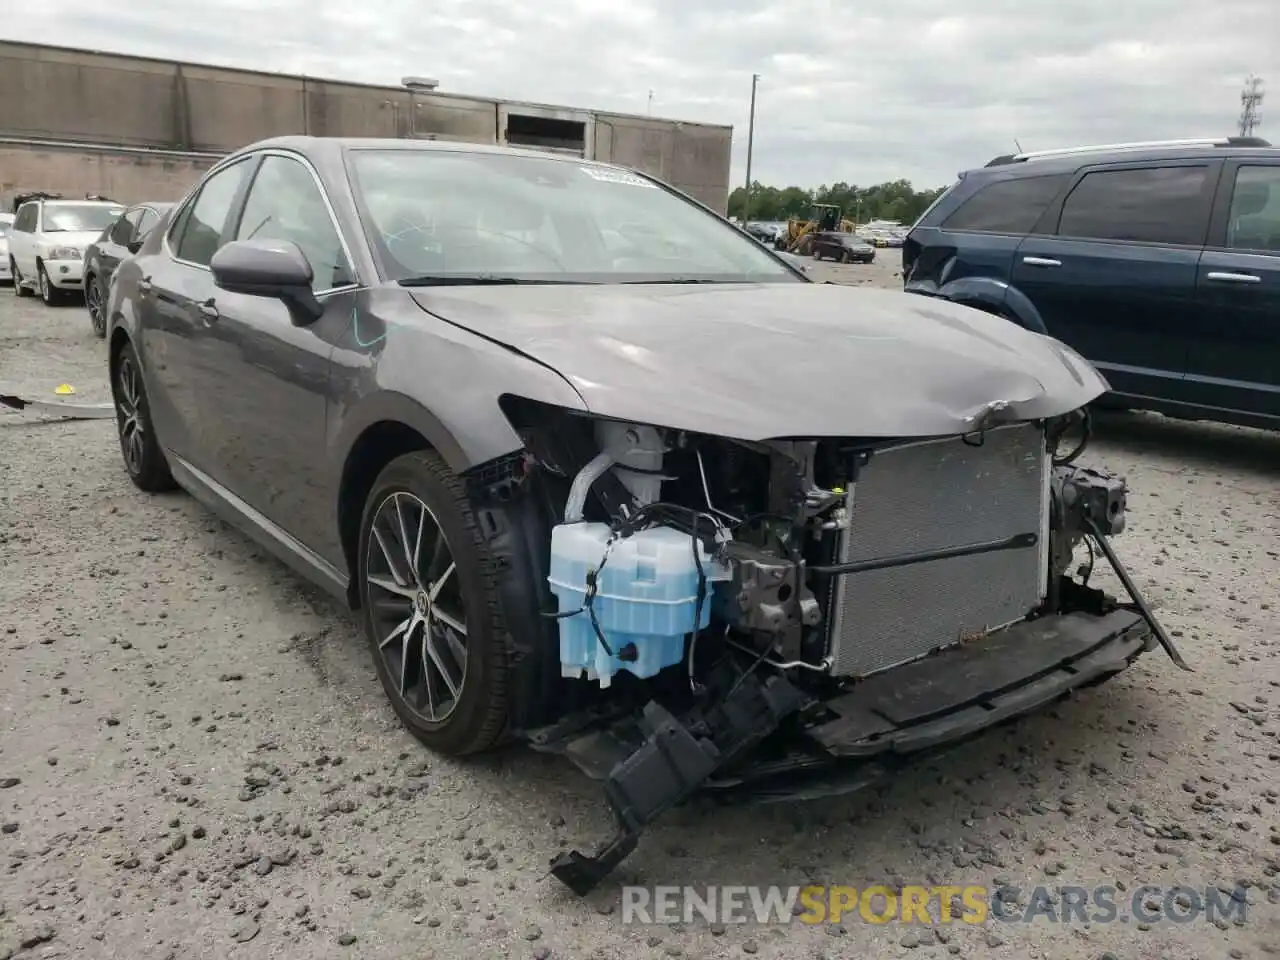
x: 1124, y: 147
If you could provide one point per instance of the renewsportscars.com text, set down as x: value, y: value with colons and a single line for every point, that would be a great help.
x: 969, y: 904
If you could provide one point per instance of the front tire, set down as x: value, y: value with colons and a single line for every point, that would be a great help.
x: 430, y: 607
x: 18, y: 289
x: 143, y: 458
x: 47, y: 292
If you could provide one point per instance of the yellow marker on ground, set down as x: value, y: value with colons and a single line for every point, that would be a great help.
x: 64, y: 389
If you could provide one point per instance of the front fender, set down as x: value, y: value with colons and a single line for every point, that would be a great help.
x: 989, y: 294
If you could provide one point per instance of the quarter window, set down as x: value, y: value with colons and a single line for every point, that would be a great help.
x: 122, y: 229
x: 285, y: 203
x: 1007, y: 206
x: 1151, y: 205
x: 1254, y: 223
x: 200, y: 234
x: 148, y: 220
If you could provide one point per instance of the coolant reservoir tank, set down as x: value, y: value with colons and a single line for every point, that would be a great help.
x: 645, y: 598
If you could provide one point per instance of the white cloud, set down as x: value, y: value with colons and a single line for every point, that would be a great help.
x: 849, y: 91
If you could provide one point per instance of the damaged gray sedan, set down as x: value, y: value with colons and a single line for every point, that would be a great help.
x: 604, y: 475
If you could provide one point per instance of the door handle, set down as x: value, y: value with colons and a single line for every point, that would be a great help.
x: 1233, y: 277
x: 1041, y: 262
x: 209, y: 310
x: 144, y: 285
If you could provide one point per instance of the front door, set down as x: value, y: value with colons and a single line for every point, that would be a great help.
x: 263, y: 414
x: 1235, y: 357
x: 1116, y: 278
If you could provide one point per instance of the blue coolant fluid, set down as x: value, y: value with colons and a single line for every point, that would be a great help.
x: 646, y: 597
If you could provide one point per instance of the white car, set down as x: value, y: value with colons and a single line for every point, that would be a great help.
x: 47, y: 243
x: 6, y: 224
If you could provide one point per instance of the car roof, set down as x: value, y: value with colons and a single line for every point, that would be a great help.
x: 1069, y: 159
x: 328, y: 149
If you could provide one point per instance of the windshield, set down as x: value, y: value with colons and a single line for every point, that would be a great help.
x: 435, y: 215
x: 75, y: 217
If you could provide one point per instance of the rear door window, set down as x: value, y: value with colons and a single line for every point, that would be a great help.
x: 1146, y: 205
x: 198, y: 238
x: 1007, y: 206
x: 1254, y: 221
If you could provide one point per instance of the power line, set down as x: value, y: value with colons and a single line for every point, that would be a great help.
x: 1250, y: 99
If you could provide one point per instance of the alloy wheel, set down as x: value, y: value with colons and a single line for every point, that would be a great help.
x: 45, y: 293
x: 416, y: 606
x: 129, y: 416
x: 93, y: 299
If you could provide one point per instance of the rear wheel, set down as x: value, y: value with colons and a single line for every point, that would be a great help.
x: 430, y: 607
x: 143, y: 457
x: 94, y: 301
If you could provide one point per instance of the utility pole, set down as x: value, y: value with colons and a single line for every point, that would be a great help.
x: 751, y: 132
x: 1250, y: 99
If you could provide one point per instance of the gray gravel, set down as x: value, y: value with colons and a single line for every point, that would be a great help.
x: 196, y: 759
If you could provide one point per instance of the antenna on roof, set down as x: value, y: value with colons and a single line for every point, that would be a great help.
x: 1017, y: 144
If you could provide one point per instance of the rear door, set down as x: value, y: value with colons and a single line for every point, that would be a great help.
x: 113, y: 244
x: 174, y: 292
x: 969, y: 253
x: 1112, y: 270
x: 22, y: 239
x: 1235, y: 355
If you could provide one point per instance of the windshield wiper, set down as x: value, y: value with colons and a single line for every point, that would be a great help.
x: 469, y: 280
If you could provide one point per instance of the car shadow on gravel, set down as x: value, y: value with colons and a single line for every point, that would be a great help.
x: 1197, y: 442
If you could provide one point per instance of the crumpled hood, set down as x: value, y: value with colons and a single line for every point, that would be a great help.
x: 763, y: 361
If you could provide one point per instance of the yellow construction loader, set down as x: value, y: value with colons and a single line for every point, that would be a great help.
x: 823, y: 218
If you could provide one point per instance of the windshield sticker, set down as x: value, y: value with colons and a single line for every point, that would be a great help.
x: 617, y: 176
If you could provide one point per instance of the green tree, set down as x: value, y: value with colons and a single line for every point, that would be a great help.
x: 894, y: 200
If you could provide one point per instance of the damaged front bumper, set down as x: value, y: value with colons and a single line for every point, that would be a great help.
x: 801, y: 748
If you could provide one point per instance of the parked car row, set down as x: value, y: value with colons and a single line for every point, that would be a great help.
x: 58, y: 248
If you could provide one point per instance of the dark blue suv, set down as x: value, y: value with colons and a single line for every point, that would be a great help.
x: 1159, y: 262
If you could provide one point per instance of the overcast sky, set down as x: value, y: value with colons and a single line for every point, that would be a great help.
x: 850, y: 90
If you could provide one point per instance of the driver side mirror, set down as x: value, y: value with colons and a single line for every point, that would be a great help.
x: 269, y: 268
x: 134, y: 245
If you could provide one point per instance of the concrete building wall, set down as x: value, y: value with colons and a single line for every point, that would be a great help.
x: 108, y: 100
x: 75, y: 171
x: 694, y: 157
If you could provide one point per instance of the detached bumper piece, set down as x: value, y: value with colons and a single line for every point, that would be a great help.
x: 674, y: 760
x: 846, y: 743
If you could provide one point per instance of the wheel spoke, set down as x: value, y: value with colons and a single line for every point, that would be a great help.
x: 404, y: 626
x: 434, y: 653
x: 439, y: 584
x: 401, y: 580
x: 449, y: 620
x: 405, y: 546
x: 391, y: 586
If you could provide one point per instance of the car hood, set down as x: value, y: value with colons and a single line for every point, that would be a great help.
x: 80, y: 239
x: 765, y: 361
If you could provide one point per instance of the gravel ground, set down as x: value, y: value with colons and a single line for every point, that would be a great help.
x: 196, y: 759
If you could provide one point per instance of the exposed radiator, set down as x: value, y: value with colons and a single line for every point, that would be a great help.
x: 930, y: 495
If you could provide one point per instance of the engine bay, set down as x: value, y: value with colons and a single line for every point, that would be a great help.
x: 726, y: 612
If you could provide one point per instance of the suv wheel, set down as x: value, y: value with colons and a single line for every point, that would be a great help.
x: 19, y: 285
x: 143, y: 457
x: 430, y: 607
x: 48, y: 294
